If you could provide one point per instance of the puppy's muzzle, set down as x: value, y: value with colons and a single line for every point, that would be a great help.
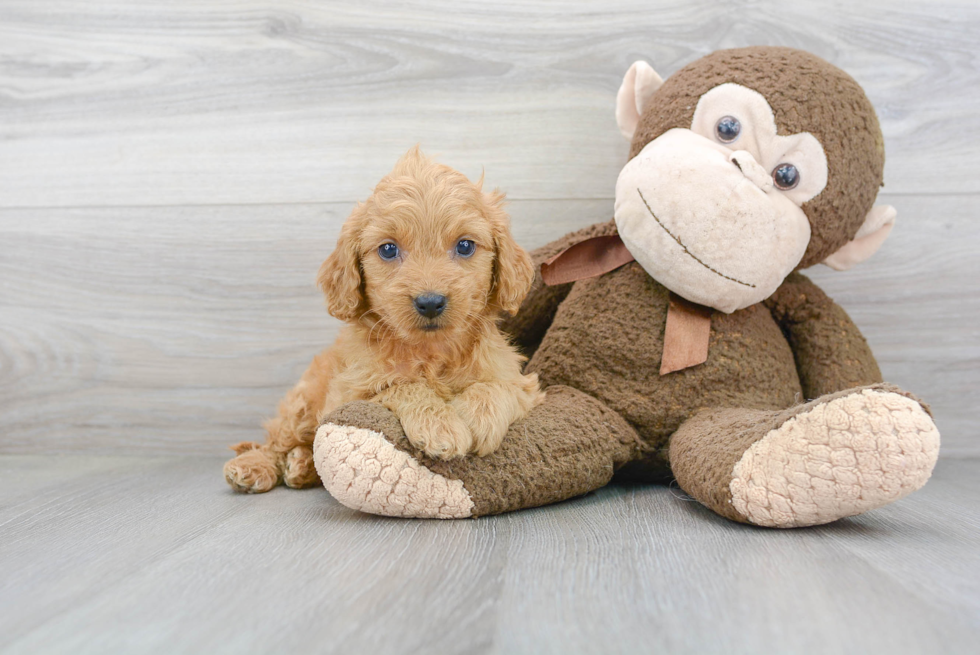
x: 430, y: 305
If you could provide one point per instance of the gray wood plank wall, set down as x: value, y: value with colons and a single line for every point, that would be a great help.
x: 172, y: 174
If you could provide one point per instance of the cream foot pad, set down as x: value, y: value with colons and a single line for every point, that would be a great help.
x: 840, y: 458
x: 364, y: 471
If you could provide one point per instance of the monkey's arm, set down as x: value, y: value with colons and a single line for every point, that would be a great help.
x: 527, y: 328
x: 831, y: 353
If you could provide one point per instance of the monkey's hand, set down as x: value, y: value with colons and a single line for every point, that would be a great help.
x: 831, y: 353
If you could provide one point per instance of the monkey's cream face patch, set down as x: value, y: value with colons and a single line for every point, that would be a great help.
x: 758, y: 137
x: 705, y: 218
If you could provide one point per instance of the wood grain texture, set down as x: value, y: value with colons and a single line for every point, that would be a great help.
x: 171, y: 176
x: 169, y: 330
x: 158, y: 163
x: 159, y: 556
x: 253, y: 101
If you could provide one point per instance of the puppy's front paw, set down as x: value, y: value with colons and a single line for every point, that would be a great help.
x: 438, y: 431
x: 481, y: 410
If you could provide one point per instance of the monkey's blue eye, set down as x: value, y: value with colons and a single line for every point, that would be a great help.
x: 388, y: 251
x: 465, y: 248
x: 785, y: 176
x: 728, y: 128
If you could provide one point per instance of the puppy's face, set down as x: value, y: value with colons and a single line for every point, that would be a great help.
x: 429, y: 253
x: 427, y: 265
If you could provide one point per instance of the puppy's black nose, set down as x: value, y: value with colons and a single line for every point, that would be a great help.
x: 430, y: 305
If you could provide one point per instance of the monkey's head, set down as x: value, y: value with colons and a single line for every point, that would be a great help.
x: 747, y: 165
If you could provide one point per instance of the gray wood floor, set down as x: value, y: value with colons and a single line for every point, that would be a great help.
x: 157, y: 555
x: 171, y: 176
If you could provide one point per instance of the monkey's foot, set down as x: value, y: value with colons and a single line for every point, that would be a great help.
x: 366, y: 472
x: 837, y: 456
x: 566, y: 447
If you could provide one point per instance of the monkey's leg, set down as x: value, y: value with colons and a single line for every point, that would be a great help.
x: 839, y: 455
x: 567, y: 446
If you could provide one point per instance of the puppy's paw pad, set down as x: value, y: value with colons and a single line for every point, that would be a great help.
x: 300, y: 472
x: 840, y: 458
x: 487, y: 438
x: 487, y: 423
x: 364, y: 471
x: 251, y: 477
x: 446, y: 448
x: 445, y: 437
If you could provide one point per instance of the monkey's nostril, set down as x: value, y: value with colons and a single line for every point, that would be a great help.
x: 430, y: 305
x: 751, y: 169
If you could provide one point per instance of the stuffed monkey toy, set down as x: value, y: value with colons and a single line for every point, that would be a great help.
x: 679, y: 340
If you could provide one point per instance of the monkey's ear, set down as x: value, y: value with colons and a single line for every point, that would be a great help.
x: 877, y: 224
x: 639, y: 84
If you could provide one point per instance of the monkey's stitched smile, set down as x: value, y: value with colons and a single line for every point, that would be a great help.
x: 684, y: 248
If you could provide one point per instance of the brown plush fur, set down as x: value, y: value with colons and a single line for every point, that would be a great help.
x: 604, y: 336
x: 529, y: 325
x: 806, y: 94
x: 606, y: 339
x: 566, y: 447
x: 597, y: 343
x: 705, y: 449
x: 453, y: 381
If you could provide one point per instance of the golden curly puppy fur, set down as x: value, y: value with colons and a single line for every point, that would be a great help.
x: 421, y: 273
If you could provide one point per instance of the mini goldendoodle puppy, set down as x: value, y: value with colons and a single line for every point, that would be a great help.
x: 421, y: 273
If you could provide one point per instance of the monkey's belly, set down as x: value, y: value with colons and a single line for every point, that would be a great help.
x: 607, y: 340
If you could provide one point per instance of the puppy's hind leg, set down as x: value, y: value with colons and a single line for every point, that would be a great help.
x: 299, y: 471
x: 291, y: 438
x: 254, y: 470
x: 287, y: 455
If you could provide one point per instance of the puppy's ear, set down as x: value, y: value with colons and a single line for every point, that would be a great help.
x: 513, y: 271
x: 340, y: 275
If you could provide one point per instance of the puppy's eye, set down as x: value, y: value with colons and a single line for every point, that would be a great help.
x: 388, y: 251
x: 465, y: 248
x: 727, y: 129
x: 786, y: 176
